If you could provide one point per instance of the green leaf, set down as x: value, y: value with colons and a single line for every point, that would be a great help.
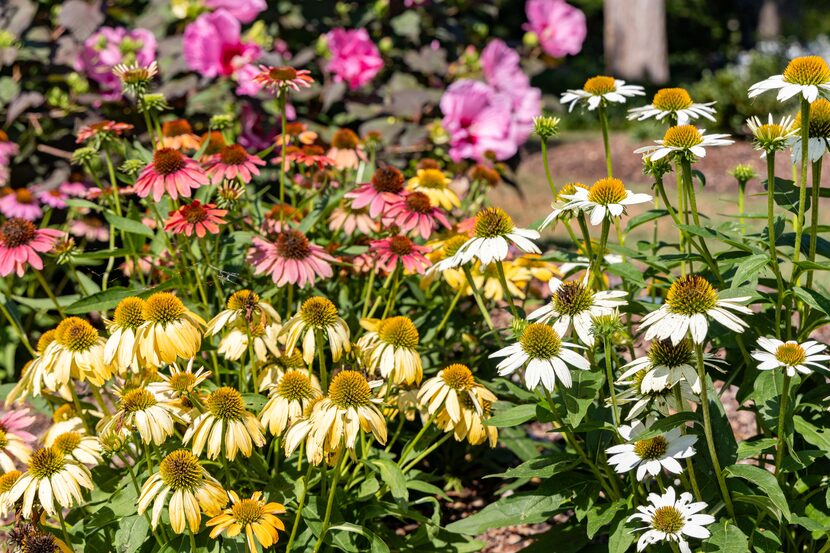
x: 813, y: 435
x: 602, y: 515
x: 786, y: 195
x: 644, y: 218
x: 377, y: 545
x: 748, y: 267
x: 128, y: 225
x: 541, y: 467
x: 512, y: 416
x: 726, y: 538
x: 628, y: 273
x: 102, y: 301
x: 765, y: 541
x: 813, y: 299
x: 131, y: 534
x: 755, y: 448
x: 393, y: 476
x: 765, y: 481
x: 561, y: 539
x: 427, y: 488
x: 581, y: 395
x: 254, y: 402
x: 621, y: 536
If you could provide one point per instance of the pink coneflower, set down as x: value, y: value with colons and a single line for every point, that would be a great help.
x: 195, y: 217
x: 8, y: 149
x: 348, y: 220
x: 74, y: 189
x: 276, y: 79
x: 53, y: 197
x: 290, y: 259
x: 232, y: 162
x: 307, y: 156
x: 400, y: 248
x: 178, y: 134
x: 384, y: 189
x: 415, y: 211
x: 102, y: 130
x: 21, y: 203
x: 16, y: 422
x: 20, y: 243
x: 170, y: 172
x: 346, y: 149
x: 90, y: 228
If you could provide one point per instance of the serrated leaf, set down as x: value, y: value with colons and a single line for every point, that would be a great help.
x: 765, y: 481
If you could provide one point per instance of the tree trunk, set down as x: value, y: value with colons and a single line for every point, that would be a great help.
x: 769, y: 21
x: 635, y: 39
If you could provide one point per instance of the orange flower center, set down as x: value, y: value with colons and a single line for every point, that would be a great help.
x: 167, y: 161
x: 345, y: 139
x: 400, y: 245
x: 233, y: 155
x: 24, y: 196
x: 283, y: 73
x: 177, y: 127
x: 194, y: 213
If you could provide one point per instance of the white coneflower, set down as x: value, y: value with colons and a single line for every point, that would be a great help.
x: 662, y: 401
x: 606, y: 199
x: 289, y: 397
x: 674, y: 103
x: 573, y: 304
x: 771, y: 136
x: 558, y: 205
x: 493, y: 233
x: 391, y: 347
x: 650, y: 455
x: 180, y: 389
x: 684, y: 140
x: 193, y: 490
x: 806, y: 75
x: 689, y: 301
x: 451, y: 389
x: 50, y: 477
x: 546, y: 357
x: 670, y: 519
x: 264, y: 338
x: 243, y: 305
x: 120, y: 348
x: 225, y: 423
x: 271, y: 372
x: 599, y: 91
x: 818, y: 131
x: 140, y: 409
x: 317, y: 314
x: 665, y: 364
x: 77, y: 445
x: 790, y: 356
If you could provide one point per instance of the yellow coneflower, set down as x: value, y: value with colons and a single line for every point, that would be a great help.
x: 403, y: 400
x: 336, y: 420
x: 12, y: 447
x: 193, y: 490
x: 390, y: 347
x: 265, y: 339
x: 317, y: 314
x: 80, y: 447
x: 33, y: 376
x: 435, y: 184
x: 64, y: 419
x: 486, y: 279
x: 299, y: 431
x: 276, y: 367
x: 227, y: 422
x: 253, y: 515
x: 243, y: 305
x: 140, y: 409
x: 453, y: 387
x: 289, y: 397
x: 51, y: 476
x: 170, y: 330
x: 471, y: 425
x: 120, y: 349
x: 7, y: 482
x: 180, y: 389
x: 77, y: 352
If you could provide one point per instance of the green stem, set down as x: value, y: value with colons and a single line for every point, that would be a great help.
x: 782, y: 419
x: 682, y: 407
x: 707, y: 429
x: 327, y: 517
x: 586, y: 236
x: 64, y: 530
x: 547, y: 167
x: 409, y: 446
x: 603, y: 123
x: 478, y: 298
x: 773, y: 251
x: 814, y: 217
x: 690, y: 191
x: 282, y: 104
x: 321, y: 357
x: 596, y: 269
x: 300, y: 506
x: 426, y: 452
x: 508, y: 296
x: 450, y: 309
x: 802, y: 187
x: 609, y: 372
x: 17, y: 330
x: 48, y: 290
x: 741, y: 203
x: 192, y: 540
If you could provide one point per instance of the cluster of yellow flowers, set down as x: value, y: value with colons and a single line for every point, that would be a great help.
x: 148, y: 388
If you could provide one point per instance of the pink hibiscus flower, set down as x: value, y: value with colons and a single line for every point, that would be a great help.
x: 20, y: 244
x: 290, y: 259
x: 213, y: 47
x: 244, y: 10
x: 561, y: 28
x: 354, y: 57
x: 478, y: 119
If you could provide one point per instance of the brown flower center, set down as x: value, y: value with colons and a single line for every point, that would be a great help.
x: 345, y: 139
x: 167, y: 161
x: 399, y: 332
x: 130, y: 313
x: 67, y: 442
x: 216, y: 142
x: 419, y: 203
x: 401, y: 245
x: 24, y: 196
x: 177, y: 127
x: 181, y: 470
x: 295, y: 386
x: 163, y: 308
x: 540, y: 341
x: 292, y: 244
x: 233, y: 155
x: 247, y: 511
x: 668, y: 519
x: 243, y: 299
x: 492, y: 222
x: 388, y: 179
x: 17, y: 232
x: 139, y: 399
x: 226, y: 403
x: 691, y: 295
x: 572, y: 298
x: 651, y: 449
x: 318, y: 312
x: 46, y: 462
x: 283, y: 73
x: 194, y: 212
